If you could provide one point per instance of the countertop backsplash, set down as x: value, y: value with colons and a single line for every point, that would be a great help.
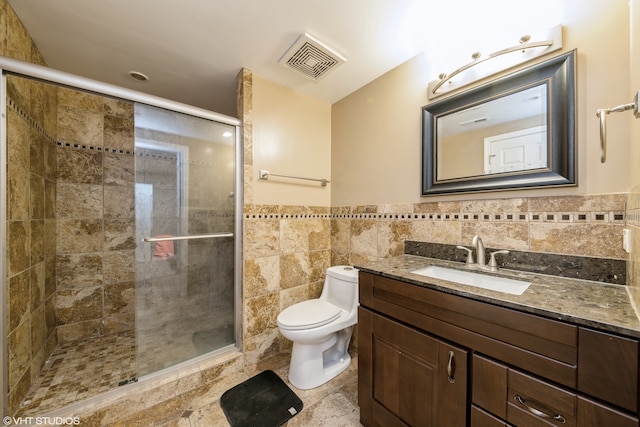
x: 576, y: 267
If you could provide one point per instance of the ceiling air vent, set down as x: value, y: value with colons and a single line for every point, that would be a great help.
x: 311, y: 58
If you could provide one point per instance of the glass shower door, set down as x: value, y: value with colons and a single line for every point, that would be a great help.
x: 185, y: 169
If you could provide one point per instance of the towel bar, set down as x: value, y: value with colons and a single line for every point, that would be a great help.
x: 602, y: 115
x: 265, y: 176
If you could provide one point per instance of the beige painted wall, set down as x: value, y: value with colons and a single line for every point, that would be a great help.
x: 376, y: 131
x: 291, y: 136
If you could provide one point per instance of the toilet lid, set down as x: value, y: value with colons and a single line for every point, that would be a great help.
x: 308, y: 314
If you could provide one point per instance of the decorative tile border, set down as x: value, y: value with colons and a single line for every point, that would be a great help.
x: 147, y: 153
x: 573, y: 217
x: 35, y: 125
x: 94, y: 148
x: 588, y: 210
x: 30, y: 120
x: 285, y: 216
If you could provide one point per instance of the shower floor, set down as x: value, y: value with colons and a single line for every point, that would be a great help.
x: 79, y: 370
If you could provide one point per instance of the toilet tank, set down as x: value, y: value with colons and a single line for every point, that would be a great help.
x: 341, y: 287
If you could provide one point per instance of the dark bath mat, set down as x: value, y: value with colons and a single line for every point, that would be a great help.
x: 261, y: 401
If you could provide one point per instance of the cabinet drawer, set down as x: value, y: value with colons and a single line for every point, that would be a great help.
x: 480, y: 418
x: 532, y: 402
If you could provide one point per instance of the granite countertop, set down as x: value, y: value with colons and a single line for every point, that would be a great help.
x: 594, y: 304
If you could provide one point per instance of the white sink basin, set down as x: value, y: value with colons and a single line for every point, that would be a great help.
x: 500, y: 284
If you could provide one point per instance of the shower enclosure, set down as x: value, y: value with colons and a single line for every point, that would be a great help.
x: 121, y: 237
x: 184, y: 219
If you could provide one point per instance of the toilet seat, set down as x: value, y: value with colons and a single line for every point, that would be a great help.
x: 308, y: 314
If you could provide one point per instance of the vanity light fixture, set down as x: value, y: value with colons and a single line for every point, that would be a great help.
x: 554, y: 42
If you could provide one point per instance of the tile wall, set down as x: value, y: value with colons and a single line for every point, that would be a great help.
x: 287, y: 251
x: 31, y: 173
x: 95, y: 216
x: 31, y: 168
x: 588, y: 226
x: 633, y: 267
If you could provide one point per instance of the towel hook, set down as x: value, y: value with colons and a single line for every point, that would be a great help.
x: 602, y: 115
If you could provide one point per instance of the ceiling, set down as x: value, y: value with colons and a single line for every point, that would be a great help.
x: 192, y: 50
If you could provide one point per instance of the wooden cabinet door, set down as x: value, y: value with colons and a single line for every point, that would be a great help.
x: 451, y: 399
x: 407, y: 378
x: 593, y: 414
x: 608, y: 368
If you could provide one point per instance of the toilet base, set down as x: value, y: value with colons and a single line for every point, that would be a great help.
x: 313, y: 364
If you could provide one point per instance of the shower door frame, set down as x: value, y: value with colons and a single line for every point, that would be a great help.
x: 49, y: 75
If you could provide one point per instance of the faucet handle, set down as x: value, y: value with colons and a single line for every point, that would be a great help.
x: 469, y: 254
x: 492, y: 261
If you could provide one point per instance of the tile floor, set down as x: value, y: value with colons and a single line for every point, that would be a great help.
x: 333, y: 404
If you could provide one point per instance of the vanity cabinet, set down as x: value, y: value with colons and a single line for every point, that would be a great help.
x: 431, y: 358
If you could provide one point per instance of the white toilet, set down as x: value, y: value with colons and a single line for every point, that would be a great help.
x: 321, y: 329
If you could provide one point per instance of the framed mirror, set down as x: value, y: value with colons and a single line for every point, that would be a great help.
x: 515, y: 132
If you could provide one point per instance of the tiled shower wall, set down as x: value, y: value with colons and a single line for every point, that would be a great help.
x: 95, y: 215
x: 70, y: 223
x: 31, y: 113
x: 31, y: 171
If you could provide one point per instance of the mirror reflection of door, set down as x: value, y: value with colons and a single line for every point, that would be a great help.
x: 515, y: 151
x: 463, y: 135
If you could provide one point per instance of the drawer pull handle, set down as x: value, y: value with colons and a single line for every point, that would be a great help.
x: 451, y: 367
x: 539, y: 413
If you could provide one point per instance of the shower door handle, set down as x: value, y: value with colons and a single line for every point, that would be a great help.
x: 190, y: 237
